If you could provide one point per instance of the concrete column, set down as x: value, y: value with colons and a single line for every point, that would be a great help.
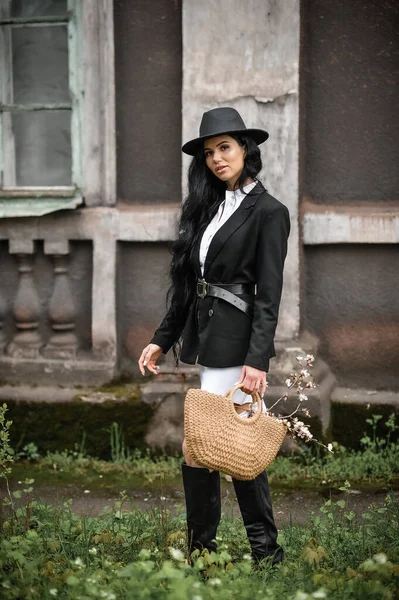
x: 103, y: 296
x: 246, y: 55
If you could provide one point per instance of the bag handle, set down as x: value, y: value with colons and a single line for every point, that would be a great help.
x: 255, y: 396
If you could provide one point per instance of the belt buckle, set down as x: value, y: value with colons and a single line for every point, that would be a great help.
x: 202, y: 287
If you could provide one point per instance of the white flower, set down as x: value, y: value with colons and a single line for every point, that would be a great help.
x: 380, y: 558
x: 319, y: 594
x: 86, y: 492
x: 304, y: 373
x: 215, y: 581
x: 302, y: 397
x: 309, y: 360
x: 330, y: 447
x: 53, y: 591
x: 288, y: 382
x: 247, y: 557
x: 107, y: 595
x: 78, y: 562
x: 93, y: 551
x: 176, y: 554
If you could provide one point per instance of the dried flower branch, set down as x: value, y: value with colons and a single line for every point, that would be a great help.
x: 298, y: 382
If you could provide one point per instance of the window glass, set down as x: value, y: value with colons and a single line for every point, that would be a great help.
x: 40, y: 64
x: 42, y: 142
x: 39, y: 8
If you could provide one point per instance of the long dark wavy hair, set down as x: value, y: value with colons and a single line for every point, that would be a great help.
x: 205, y: 193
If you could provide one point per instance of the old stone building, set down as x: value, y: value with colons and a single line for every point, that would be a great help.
x: 95, y: 99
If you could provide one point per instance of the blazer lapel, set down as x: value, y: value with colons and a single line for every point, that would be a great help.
x: 232, y: 224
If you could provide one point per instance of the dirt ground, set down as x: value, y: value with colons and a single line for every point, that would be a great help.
x: 289, y: 506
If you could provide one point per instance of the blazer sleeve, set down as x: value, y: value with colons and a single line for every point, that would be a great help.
x: 271, y: 253
x: 169, y: 330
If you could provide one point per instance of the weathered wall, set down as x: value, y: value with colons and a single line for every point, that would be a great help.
x: 349, y: 161
x: 148, y: 75
x: 245, y: 55
x: 352, y: 302
x: 349, y: 96
x: 142, y: 283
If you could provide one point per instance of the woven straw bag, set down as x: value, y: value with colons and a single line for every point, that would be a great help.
x: 218, y: 438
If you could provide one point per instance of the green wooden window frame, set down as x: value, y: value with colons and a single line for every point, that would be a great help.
x: 33, y: 200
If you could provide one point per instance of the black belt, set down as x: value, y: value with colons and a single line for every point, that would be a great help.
x: 227, y: 292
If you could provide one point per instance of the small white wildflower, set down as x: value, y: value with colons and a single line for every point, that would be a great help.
x: 304, y: 373
x: 101, y: 476
x: 53, y: 591
x: 78, y: 562
x: 301, y: 595
x: 380, y: 558
x: 86, y: 492
x: 107, y: 595
x: 288, y: 382
x: 93, y: 551
x: 330, y: 447
x: 319, y: 594
x: 215, y: 581
x: 162, y: 497
x: 300, y: 358
x: 247, y: 557
x: 302, y: 397
x: 176, y: 554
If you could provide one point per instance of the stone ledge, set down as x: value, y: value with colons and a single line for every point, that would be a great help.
x: 342, y: 395
x: 39, y: 371
x: 327, y: 225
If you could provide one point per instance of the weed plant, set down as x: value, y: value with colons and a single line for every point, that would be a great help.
x: 124, y: 554
x: 48, y: 552
x: 376, y: 463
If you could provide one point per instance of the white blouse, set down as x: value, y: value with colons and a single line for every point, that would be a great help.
x: 229, y: 205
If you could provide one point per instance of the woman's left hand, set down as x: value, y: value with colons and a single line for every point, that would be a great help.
x: 254, y: 380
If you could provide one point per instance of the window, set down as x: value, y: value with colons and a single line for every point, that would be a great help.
x: 40, y: 106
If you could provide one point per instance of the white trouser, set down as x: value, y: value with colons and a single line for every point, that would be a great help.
x: 220, y: 381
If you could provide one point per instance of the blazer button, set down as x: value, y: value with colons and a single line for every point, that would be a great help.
x: 210, y: 313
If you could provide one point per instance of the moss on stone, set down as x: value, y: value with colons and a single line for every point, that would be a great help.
x: 59, y: 426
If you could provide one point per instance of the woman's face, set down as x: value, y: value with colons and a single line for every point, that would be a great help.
x: 225, y: 158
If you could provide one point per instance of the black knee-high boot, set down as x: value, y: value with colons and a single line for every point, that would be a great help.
x: 256, y: 509
x: 203, y: 504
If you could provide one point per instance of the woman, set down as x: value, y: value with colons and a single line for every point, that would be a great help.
x: 227, y: 275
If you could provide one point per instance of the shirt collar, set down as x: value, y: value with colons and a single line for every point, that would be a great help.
x: 238, y: 195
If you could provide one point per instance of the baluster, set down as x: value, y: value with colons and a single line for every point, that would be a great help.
x: 26, y: 310
x: 63, y: 343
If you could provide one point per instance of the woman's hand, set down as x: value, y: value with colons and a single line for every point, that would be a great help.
x: 253, y: 379
x: 149, y: 358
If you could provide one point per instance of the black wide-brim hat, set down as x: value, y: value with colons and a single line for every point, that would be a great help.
x: 219, y: 121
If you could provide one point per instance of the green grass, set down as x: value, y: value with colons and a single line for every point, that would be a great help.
x: 375, y: 465
x: 125, y: 553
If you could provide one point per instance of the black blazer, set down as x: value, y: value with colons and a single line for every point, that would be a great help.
x: 249, y: 248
